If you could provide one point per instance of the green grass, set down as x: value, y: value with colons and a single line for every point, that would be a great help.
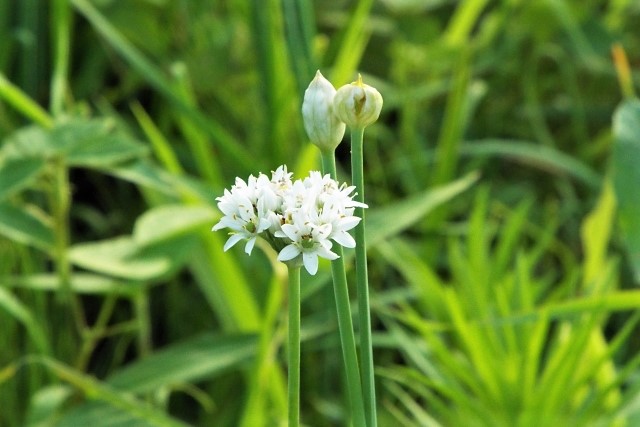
x: 503, y: 228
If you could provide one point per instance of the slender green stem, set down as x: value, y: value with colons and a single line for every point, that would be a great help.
x: 329, y: 163
x: 141, y: 304
x: 345, y: 324
x: 92, y: 336
x: 25, y: 105
x: 67, y: 301
x: 60, y: 203
x: 294, y: 346
x: 362, y: 281
x: 61, y: 34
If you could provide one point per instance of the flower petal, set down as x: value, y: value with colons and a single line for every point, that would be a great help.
x: 310, y: 260
x: 343, y: 238
x: 325, y: 253
x: 348, y: 222
x: 249, y: 246
x: 233, y: 239
x: 291, y: 231
x: 288, y: 252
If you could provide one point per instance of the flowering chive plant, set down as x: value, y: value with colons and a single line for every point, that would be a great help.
x: 326, y: 111
x: 300, y: 219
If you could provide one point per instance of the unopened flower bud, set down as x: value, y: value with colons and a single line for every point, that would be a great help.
x: 323, y: 127
x: 357, y: 104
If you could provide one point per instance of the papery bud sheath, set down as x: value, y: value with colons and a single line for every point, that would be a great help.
x: 323, y: 127
x: 357, y: 104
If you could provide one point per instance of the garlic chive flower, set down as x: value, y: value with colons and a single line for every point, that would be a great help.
x: 301, y: 219
x: 323, y: 127
x: 357, y: 104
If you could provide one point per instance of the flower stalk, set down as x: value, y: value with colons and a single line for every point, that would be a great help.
x: 359, y: 105
x: 362, y: 281
x: 301, y: 220
x: 345, y: 322
x: 293, y: 349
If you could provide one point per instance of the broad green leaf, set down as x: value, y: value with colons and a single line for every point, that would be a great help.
x: 596, y: 233
x: 15, y: 174
x: 83, y: 143
x: 46, y: 403
x: 150, y: 176
x: 95, y: 143
x: 171, y: 221
x: 534, y: 155
x: 121, y: 257
x: 99, y: 391
x: 147, y: 175
x: 82, y: 283
x: 204, y: 356
x: 28, y: 142
x: 626, y: 177
x: 388, y: 221
x: 100, y: 414
x: 23, y: 226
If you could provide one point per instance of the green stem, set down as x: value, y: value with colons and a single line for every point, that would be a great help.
x: 294, y: 346
x: 61, y: 202
x: 60, y: 209
x: 67, y: 300
x: 61, y: 29
x: 345, y: 324
x: 26, y: 106
x: 141, y: 303
x: 92, y: 336
x: 362, y: 281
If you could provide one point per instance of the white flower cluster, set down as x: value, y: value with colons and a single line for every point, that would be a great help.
x: 300, y: 219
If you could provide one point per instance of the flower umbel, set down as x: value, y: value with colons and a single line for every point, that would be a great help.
x: 300, y: 219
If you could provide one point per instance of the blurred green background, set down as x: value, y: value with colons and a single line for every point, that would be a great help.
x: 503, y: 180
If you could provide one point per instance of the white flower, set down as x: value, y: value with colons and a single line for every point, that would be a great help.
x: 307, y: 239
x: 330, y: 191
x: 300, y: 219
x: 272, y: 191
x: 245, y: 215
x: 340, y: 223
x: 323, y: 127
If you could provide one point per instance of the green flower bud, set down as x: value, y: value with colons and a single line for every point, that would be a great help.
x: 323, y: 127
x: 357, y: 104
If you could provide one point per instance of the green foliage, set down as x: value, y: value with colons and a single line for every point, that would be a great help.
x: 502, y: 180
x: 499, y: 346
x: 626, y: 177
